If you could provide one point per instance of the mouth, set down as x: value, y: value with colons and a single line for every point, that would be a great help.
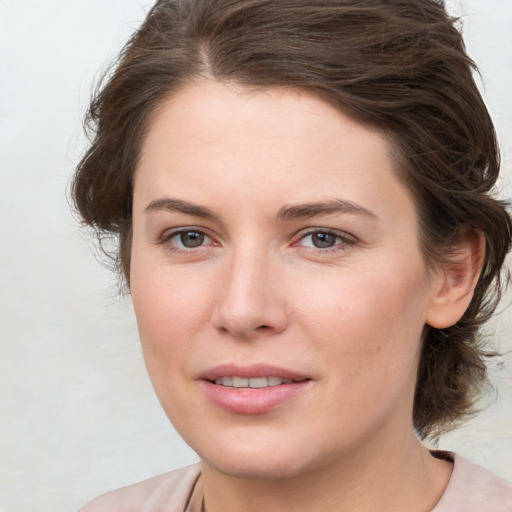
x: 253, y: 382
x: 253, y: 389
x: 255, y: 376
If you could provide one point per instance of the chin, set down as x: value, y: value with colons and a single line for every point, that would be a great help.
x: 256, y: 468
x: 275, y: 460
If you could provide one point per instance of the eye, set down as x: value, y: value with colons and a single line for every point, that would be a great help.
x: 320, y: 240
x: 186, y: 239
x: 325, y: 239
x: 189, y: 239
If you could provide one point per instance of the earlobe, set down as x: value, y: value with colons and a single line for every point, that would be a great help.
x: 456, y: 280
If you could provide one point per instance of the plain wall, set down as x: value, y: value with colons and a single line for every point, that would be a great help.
x: 78, y: 415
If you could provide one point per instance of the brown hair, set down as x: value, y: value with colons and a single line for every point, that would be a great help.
x: 397, y: 65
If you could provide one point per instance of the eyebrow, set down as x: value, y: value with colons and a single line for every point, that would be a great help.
x: 323, y: 208
x: 288, y: 212
x: 177, y: 205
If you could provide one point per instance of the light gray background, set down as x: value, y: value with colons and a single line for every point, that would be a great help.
x: 78, y: 415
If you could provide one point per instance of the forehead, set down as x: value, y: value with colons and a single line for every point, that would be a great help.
x: 253, y: 141
x: 206, y: 107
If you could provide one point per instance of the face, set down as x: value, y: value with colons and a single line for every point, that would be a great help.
x: 277, y: 280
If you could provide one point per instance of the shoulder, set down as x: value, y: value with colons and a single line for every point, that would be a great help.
x: 174, y: 488
x: 475, y: 489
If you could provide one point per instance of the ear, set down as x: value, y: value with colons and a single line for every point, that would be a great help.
x: 455, y: 281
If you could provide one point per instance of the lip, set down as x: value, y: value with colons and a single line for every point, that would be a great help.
x: 252, y: 371
x: 251, y: 401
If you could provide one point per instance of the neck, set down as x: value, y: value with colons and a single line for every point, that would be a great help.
x: 389, y: 478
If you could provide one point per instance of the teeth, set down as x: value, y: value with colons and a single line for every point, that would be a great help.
x: 240, y: 382
x: 224, y: 381
x: 260, y: 382
x: 274, y: 381
x: 255, y: 382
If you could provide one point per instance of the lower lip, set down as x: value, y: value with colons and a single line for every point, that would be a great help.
x: 252, y: 400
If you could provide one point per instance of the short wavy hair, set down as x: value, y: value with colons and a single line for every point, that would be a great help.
x: 399, y: 66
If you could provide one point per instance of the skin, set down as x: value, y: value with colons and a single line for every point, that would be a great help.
x: 256, y: 289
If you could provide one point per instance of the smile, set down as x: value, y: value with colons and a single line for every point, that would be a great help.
x: 253, y: 389
x: 254, y: 382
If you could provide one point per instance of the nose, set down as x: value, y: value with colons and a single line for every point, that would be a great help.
x: 251, y: 300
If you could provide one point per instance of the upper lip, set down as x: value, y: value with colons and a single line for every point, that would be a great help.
x: 252, y: 371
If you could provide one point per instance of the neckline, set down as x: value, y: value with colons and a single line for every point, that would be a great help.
x: 195, y: 502
x: 451, y: 497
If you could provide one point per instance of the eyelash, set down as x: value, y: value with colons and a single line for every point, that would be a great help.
x: 167, y: 236
x: 344, y: 240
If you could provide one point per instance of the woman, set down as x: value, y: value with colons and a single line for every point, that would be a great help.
x: 301, y: 195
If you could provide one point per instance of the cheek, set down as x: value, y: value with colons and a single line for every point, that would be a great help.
x: 165, y: 310
x: 371, y: 326
x: 168, y: 323
x: 171, y: 307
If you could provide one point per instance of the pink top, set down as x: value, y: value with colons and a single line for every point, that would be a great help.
x: 471, y: 489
